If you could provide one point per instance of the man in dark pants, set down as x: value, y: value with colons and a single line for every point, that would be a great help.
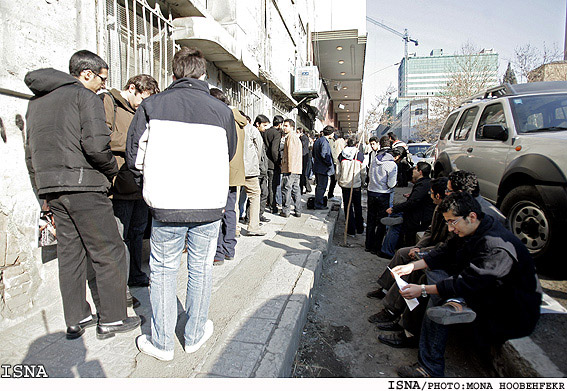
x: 262, y: 122
x: 71, y: 166
x: 304, y: 183
x: 322, y: 164
x: 484, y: 275
x: 272, y: 140
x: 382, y: 174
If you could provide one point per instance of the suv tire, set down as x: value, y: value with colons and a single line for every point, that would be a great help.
x: 529, y: 220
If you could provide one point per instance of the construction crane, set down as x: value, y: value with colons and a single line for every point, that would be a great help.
x: 405, y: 36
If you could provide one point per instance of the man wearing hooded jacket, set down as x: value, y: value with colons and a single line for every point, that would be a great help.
x: 71, y: 166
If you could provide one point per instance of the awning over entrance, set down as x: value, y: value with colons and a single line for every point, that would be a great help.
x: 340, y: 56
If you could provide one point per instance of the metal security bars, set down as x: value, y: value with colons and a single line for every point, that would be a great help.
x: 138, y: 40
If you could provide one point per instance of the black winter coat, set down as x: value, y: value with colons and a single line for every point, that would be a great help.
x: 419, y: 207
x: 67, y: 143
x: 495, y: 274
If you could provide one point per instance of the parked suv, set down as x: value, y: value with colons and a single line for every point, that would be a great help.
x: 514, y: 138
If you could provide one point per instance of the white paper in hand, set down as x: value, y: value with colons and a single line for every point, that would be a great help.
x: 412, y: 303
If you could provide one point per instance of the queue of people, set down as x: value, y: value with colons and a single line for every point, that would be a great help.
x: 100, y: 162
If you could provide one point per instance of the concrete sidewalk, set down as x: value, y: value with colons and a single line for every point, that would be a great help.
x: 259, y: 306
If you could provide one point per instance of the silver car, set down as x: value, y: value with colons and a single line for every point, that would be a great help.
x: 514, y: 138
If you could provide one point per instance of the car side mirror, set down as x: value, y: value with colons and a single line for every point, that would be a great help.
x: 494, y: 132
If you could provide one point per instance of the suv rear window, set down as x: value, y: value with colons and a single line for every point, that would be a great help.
x: 465, y: 124
x: 448, y: 125
x: 540, y: 113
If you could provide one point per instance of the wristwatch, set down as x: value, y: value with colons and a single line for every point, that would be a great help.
x: 423, y: 292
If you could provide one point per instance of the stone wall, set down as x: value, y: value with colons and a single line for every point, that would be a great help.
x: 34, y: 34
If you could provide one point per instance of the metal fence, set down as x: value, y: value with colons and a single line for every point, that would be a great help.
x: 138, y: 40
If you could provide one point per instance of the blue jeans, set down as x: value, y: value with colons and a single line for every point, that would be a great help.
x: 433, y: 338
x: 290, y: 190
x: 392, y: 238
x: 320, y: 188
x: 167, y: 242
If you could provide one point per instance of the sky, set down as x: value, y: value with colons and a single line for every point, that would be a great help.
x: 502, y: 25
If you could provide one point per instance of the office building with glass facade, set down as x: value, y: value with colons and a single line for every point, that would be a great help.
x: 420, y: 77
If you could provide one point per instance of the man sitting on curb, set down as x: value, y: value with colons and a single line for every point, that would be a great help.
x: 394, y: 304
x: 417, y: 212
x: 490, y: 272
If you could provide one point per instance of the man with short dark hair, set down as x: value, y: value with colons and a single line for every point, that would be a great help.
x: 171, y: 143
x: 272, y: 141
x: 71, y: 166
x: 416, y: 211
x: 322, y: 164
x: 262, y: 123
x: 127, y: 201
x: 486, y: 267
x: 292, y: 165
x: 382, y: 174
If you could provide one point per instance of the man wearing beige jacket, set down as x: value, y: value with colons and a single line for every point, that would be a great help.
x: 292, y: 166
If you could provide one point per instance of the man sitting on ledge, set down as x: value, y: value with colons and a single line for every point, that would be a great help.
x: 488, y: 279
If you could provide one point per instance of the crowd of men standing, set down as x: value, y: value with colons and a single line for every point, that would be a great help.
x: 101, y: 159
x: 100, y: 162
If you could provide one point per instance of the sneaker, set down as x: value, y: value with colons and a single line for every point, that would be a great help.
x: 451, y: 312
x: 415, y: 370
x: 377, y: 294
x: 382, y: 317
x: 218, y: 262
x: 209, y: 327
x: 146, y: 346
x: 392, y: 220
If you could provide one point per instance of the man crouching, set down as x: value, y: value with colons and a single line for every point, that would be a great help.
x: 484, y: 275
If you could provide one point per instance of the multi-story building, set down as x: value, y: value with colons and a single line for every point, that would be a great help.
x: 428, y: 75
x: 253, y: 49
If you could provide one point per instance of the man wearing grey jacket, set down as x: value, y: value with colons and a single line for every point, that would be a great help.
x: 382, y: 175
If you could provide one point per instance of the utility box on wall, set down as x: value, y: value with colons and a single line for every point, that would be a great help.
x: 306, y: 81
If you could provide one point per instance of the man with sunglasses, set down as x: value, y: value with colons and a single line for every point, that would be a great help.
x: 71, y: 166
x: 484, y: 275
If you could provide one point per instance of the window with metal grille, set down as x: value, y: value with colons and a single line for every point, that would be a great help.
x: 138, y: 40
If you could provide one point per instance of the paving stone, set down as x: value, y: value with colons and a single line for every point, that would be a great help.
x: 254, y: 330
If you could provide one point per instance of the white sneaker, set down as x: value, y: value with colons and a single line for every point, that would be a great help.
x: 208, y: 332
x: 146, y: 346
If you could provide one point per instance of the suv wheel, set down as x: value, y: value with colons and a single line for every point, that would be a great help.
x: 529, y: 220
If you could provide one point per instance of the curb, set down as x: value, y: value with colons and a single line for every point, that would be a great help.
x: 282, y: 347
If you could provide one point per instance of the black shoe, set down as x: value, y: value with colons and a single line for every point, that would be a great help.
x: 74, y: 332
x: 389, y: 326
x: 383, y: 255
x: 132, y: 302
x: 286, y: 215
x: 368, y: 250
x: 297, y: 214
x: 377, y: 294
x: 322, y: 208
x: 399, y: 340
x: 274, y: 211
x: 243, y: 220
x: 128, y: 324
x: 382, y: 317
x: 264, y: 219
x: 143, y: 283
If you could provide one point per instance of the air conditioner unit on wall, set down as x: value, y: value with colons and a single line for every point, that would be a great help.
x: 306, y: 80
